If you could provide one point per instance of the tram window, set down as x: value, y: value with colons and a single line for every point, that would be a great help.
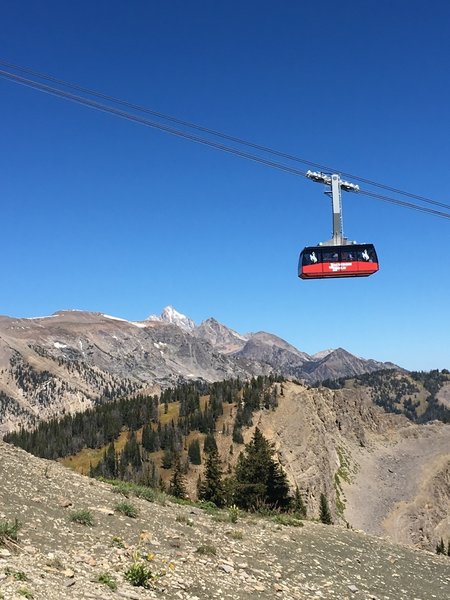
x: 366, y: 254
x: 311, y: 257
x: 332, y: 256
x: 347, y: 255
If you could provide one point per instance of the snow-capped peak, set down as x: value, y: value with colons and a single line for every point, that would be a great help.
x: 170, y: 315
x: 322, y: 354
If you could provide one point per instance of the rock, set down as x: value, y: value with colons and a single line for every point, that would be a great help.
x: 353, y: 588
x: 226, y: 567
x: 68, y: 573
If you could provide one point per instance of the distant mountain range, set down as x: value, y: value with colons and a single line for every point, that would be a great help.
x: 71, y: 359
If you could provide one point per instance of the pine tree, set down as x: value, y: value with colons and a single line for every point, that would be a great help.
x: 194, y: 452
x: 440, y: 548
x: 177, y: 486
x: 259, y: 479
x: 325, y: 514
x: 298, y: 504
x: 167, y: 459
x: 212, y: 489
x: 209, y: 445
x: 237, y: 435
x: 110, y: 462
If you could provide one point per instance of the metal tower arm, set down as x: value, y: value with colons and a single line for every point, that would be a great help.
x: 334, y: 184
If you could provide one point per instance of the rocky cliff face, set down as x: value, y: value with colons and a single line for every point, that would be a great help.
x: 380, y: 472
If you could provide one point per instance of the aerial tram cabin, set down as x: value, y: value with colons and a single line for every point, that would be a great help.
x: 351, y: 260
x: 337, y: 257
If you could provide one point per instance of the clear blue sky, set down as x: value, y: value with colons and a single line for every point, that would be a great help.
x: 105, y: 215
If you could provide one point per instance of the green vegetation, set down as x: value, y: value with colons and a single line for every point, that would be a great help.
x: 440, y: 547
x: 139, y: 574
x: 287, y: 520
x: 235, y: 534
x: 108, y: 580
x: 185, y: 520
x: 212, y: 488
x: 117, y: 542
x: 128, y: 489
x: 18, y: 575
x: 127, y: 509
x: 194, y: 452
x: 325, y: 514
x: 83, y: 517
x: 177, y: 486
x: 9, y: 531
x: 25, y: 592
x: 207, y: 550
x: 233, y: 513
x: 298, y: 506
x: 343, y: 473
x: 259, y: 481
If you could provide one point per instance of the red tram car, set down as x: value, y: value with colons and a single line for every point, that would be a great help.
x: 351, y: 260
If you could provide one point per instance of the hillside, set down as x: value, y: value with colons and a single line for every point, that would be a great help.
x: 380, y: 472
x: 71, y: 360
x: 419, y: 395
x: 196, y: 555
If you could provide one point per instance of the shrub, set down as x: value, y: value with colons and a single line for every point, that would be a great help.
x: 139, y: 575
x: 235, y: 534
x: 233, y: 513
x: 83, y: 516
x: 126, y: 508
x: 184, y: 519
x: 9, y: 531
x: 207, y: 550
x: 108, y: 580
x: 288, y: 520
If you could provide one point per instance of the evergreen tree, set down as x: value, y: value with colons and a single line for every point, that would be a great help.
x: 259, y: 479
x: 167, y: 459
x: 298, y: 504
x: 212, y: 489
x: 440, y: 548
x: 131, y: 454
x: 325, y: 514
x: 194, y: 452
x: 448, y: 548
x: 237, y: 435
x: 209, y: 445
x: 177, y: 486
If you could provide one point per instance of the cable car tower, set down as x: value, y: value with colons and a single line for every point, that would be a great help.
x: 338, y: 257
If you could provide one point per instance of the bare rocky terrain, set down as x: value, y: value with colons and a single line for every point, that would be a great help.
x: 56, y: 558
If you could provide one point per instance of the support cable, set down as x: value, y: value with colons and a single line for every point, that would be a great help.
x: 222, y: 135
x: 194, y: 138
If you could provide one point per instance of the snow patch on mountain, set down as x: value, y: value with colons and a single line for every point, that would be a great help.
x: 322, y: 354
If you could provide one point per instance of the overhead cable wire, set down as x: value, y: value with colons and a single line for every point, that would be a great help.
x: 194, y: 138
x: 222, y: 135
x: 431, y: 211
x: 131, y: 117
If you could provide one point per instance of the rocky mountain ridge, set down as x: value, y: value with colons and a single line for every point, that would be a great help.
x: 70, y: 360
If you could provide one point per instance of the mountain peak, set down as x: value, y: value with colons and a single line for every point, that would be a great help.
x: 170, y: 315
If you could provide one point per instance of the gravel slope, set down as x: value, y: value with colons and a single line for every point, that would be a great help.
x: 255, y: 558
